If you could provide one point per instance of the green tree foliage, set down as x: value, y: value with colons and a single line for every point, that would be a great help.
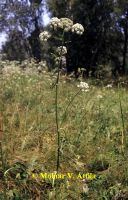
x: 22, y: 16
x: 121, y: 10
x: 17, y: 47
x: 60, y: 8
x: 105, y: 39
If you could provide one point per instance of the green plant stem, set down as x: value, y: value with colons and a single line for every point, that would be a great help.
x: 70, y: 102
x: 3, y: 168
x: 56, y: 108
x: 123, y: 126
x: 57, y: 128
x: 57, y: 123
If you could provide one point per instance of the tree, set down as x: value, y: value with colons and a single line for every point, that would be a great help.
x: 122, y: 16
x: 98, y: 45
x: 23, y: 16
x: 16, y: 48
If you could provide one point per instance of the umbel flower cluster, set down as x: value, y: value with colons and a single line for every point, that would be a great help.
x: 61, y: 50
x: 83, y: 86
x: 78, y: 28
x: 44, y: 36
x: 54, y: 23
x: 65, y: 24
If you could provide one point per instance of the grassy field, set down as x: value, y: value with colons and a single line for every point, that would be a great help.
x: 93, y: 138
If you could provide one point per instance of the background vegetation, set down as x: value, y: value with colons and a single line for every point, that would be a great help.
x: 91, y: 115
x: 104, y: 41
x: 93, y: 137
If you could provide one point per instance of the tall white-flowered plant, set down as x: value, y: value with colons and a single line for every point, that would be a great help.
x: 66, y: 25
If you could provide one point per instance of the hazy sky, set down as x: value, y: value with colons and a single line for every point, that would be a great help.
x: 2, y: 39
x: 45, y: 17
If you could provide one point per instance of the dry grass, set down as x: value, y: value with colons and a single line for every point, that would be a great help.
x: 91, y: 138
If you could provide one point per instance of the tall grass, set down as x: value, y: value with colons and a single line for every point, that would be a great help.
x: 90, y: 139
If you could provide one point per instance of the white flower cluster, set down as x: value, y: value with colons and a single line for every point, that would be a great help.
x: 55, y: 23
x: 57, y: 60
x: 64, y: 23
x: 109, y: 86
x: 61, y: 59
x: 67, y: 25
x: 84, y: 86
x: 44, y: 36
x: 10, y: 70
x: 99, y: 96
x: 62, y: 50
x: 78, y: 28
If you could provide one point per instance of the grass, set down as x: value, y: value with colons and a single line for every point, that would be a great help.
x: 93, y: 128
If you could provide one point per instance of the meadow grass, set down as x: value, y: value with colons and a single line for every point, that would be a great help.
x: 93, y: 138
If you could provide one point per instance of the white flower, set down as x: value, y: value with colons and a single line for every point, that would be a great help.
x: 44, y: 36
x: 62, y: 50
x: 109, y: 86
x: 57, y: 60
x: 85, y: 90
x: 63, y: 23
x: 54, y: 23
x: 85, y: 188
x: 10, y: 70
x: 66, y: 24
x: 83, y: 85
x: 39, y: 69
x: 99, y: 96
x: 78, y: 29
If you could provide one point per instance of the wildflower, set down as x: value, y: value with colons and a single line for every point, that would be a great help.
x: 10, y: 70
x: 62, y: 50
x: 99, y: 96
x: 82, y: 69
x: 66, y: 24
x: 39, y: 69
x: 109, y: 86
x: 61, y: 59
x: 85, y: 187
x: 57, y: 60
x: 78, y: 29
x: 44, y: 36
x: 85, y: 90
x: 83, y: 85
x: 54, y: 23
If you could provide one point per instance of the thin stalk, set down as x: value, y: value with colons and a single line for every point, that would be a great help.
x: 70, y: 102
x: 123, y: 124
x: 56, y: 108
x: 2, y: 157
x: 57, y: 128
